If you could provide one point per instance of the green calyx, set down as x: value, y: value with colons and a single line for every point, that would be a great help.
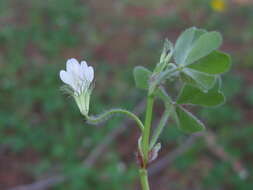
x: 83, y: 101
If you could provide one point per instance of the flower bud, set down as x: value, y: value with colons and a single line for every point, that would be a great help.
x: 165, y: 56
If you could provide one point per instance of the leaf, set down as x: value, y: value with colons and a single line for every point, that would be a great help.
x: 214, y: 63
x: 193, y: 95
x: 141, y: 77
x: 185, y: 42
x: 204, y: 46
x: 186, y: 121
x: 203, y: 80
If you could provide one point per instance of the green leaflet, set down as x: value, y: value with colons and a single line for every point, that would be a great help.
x: 186, y: 121
x: 194, y: 44
x: 215, y: 63
x: 206, y: 43
x: 193, y: 95
x: 141, y: 77
x: 203, y: 80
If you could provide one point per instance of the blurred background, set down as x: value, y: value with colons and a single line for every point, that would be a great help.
x: 44, y: 141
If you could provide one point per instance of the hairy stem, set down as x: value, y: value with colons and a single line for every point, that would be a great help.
x: 106, y: 115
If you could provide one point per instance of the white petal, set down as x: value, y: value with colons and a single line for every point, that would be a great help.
x: 83, y: 68
x: 84, y: 65
x: 73, y: 66
x: 68, y: 79
x: 89, y: 73
x: 65, y: 77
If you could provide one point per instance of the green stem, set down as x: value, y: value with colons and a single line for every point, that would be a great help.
x: 146, y: 132
x: 144, y: 179
x: 104, y: 116
x: 160, y: 127
x: 147, y: 125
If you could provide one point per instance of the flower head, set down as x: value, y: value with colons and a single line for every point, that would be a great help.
x: 218, y: 5
x: 79, y: 78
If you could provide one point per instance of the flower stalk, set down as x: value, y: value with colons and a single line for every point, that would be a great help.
x: 106, y: 115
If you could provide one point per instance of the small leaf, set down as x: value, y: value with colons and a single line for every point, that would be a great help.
x: 141, y: 77
x: 153, y: 154
x: 186, y: 121
x: 193, y: 95
x: 185, y: 42
x: 203, y: 80
x: 214, y: 63
x: 204, y: 46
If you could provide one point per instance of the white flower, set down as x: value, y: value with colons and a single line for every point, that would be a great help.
x: 79, y: 78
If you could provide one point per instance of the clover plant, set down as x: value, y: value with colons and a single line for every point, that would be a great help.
x: 194, y: 64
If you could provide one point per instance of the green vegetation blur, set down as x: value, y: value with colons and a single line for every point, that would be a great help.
x: 41, y: 129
